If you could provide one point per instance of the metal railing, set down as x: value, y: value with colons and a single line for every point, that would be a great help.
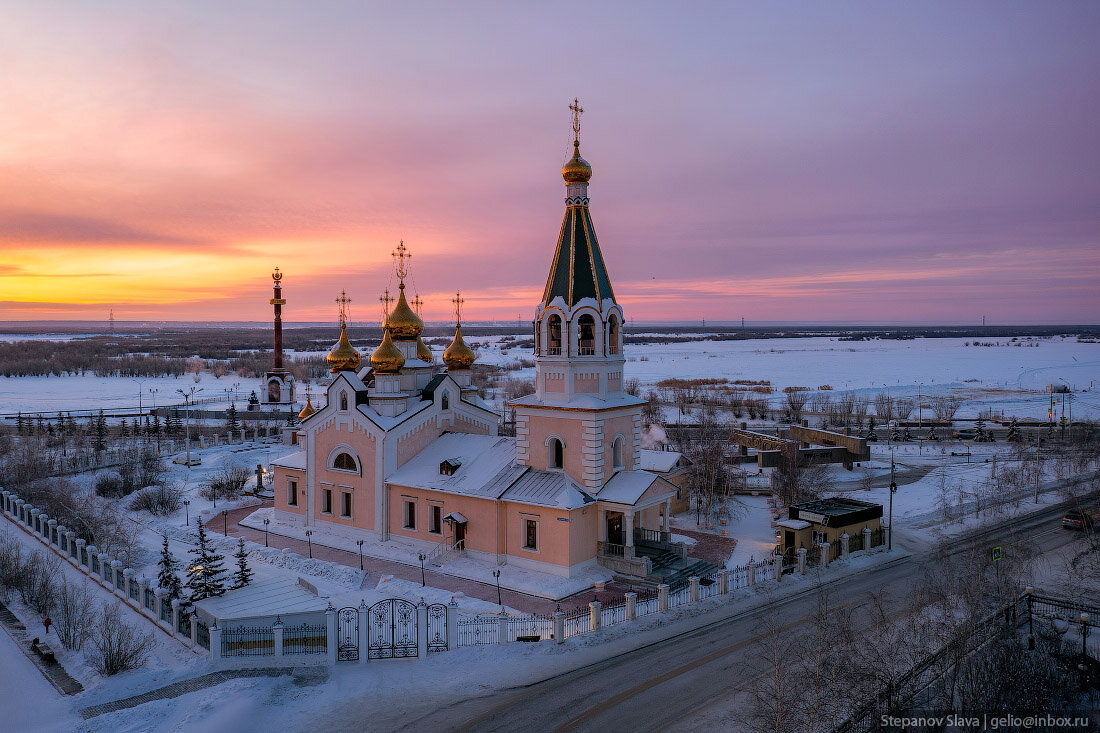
x: 248, y: 642
x: 610, y: 549
x: 305, y: 639
x: 578, y: 622
x: 530, y: 626
x: 477, y: 630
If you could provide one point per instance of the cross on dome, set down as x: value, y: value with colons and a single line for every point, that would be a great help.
x: 385, y: 299
x: 458, y: 300
x: 417, y: 304
x: 578, y: 110
x: 401, y: 256
x: 343, y: 301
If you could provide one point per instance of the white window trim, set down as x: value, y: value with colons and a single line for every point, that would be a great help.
x: 432, y: 505
x: 350, y: 504
x: 524, y: 519
x: 344, y: 448
x: 550, y: 438
x: 292, y: 492
x: 329, y: 512
x: 405, y: 502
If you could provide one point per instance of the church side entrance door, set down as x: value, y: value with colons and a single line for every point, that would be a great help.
x: 615, y: 528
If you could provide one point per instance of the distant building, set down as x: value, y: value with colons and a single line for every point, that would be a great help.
x: 406, y: 448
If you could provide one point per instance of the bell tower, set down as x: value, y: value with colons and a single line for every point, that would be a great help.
x: 579, y: 420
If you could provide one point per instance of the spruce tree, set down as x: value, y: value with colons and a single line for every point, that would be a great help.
x: 21, y: 424
x: 243, y: 575
x: 205, y: 577
x: 135, y: 428
x: 100, y: 432
x: 232, y: 423
x: 932, y: 433
x: 167, y: 578
x: 908, y: 435
x: 123, y: 430
x: 1013, y: 432
x: 871, y: 434
x: 896, y: 436
x: 40, y: 428
x: 979, y: 431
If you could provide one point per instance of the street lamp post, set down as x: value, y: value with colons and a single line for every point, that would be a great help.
x: 266, y: 522
x: 360, y: 543
x: 188, y: 398
x: 309, y: 542
x: 186, y: 512
x: 139, y: 383
x: 1030, y: 628
x: 225, y: 522
x: 1084, y: 633
x: 153, y: 393
x: 893, y: 489
x: 421, y: 557
x: 496, y: 575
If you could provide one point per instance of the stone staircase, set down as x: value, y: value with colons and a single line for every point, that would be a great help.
x: 667, y: 566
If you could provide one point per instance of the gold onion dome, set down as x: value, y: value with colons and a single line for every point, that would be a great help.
x: 577, y: 170
x: 387, y: 358
x: 343, y: 356
x: 307, y: 410
x: 422, y: 351
x: 458, y: 355
x: 403, y: 323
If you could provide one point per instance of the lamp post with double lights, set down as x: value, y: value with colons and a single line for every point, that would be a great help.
x: 225, y: 522
x: 360, y: 543
x: 422, y: 557
x: 496, y: 575
x: 266, y: 522
x: 186, y: 512
x: 188, y: 397
x: 309, y: 542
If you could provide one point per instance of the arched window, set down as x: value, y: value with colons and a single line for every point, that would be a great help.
x: 613, y: 334
x: 345, y: 463
x: 587, y: 326
x: 555, y: 457
x: 446, y: 401
x: 344, y: 401
x: 553, y: 337
x: 617, y: 452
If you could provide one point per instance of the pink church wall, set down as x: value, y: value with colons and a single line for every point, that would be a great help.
x: 615, y: 382
x: 481, y: 515
x: 586, y: 383
x: 613, y: 426
x: 416, y: 441
x: 553, y: 383
x: 583, y: 533
x: 465, y: 425
x: 362, y: 503
x: 553, y: 534
x: 540, y: 428
x: 281, y: 478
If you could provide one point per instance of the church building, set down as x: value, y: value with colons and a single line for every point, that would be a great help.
x: 404, y: 447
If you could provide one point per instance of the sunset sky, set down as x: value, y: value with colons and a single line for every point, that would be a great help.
x: 878, y: 161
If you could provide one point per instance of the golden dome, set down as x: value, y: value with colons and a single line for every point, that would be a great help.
x: 307, y: 410
x: 577, y: 169
x: 343, y: 356
x: 387, y: 358
x: 458, y: 355
x: 403, y: 323
x: 422, y: 351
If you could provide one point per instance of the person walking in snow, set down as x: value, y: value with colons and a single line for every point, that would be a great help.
x: 47, y: 622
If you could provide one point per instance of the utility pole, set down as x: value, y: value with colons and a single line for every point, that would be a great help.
x: 1036, y: 466
x: 893, y: 488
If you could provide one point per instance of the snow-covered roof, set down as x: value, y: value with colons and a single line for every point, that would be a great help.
x: 294, y: 460
x: 626, y: 487
x: 661, y: 461
x: 579, y: 402
x: 487, y: 466
x: 793, y: 523
x: 267, y: 595
x: 548, y: 488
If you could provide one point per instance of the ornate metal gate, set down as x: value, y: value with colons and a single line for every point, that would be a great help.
x: 437, y: 627
x: 391, y: 630
x: 347, y: 645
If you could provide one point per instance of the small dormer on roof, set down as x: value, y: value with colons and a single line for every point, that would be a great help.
x: 448, y: 466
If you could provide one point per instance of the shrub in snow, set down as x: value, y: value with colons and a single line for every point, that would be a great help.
x: 109, y: 485
x: 158, y: 500
x: 228, y: 483
x: 116, y: 646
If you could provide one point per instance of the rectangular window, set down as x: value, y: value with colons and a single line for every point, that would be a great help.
x: 345, y: 504
x: 530, y: 534
x: 326, y: 501
x: 410, y: 515
x: 292, y: 492
x: 435, y: 520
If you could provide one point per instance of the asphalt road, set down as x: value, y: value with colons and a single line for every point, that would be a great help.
x: 680, y: 678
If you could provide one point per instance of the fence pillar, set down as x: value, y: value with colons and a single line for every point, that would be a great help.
x: 662, y: 597
x: 559, y: 626
x: 824, y: 554
x: 422, y: 630
x: 777, y: 567
x: 128, y: 580
x: 115, y: 565
x: 80, y: 545
x: 276, y: 634
x: 867, y: 540
x: 595, y: 609
x: 723, y: 582
x: 175, y: 616
x: 194, y: 619
x: 364, y: 635
x: 51, y: 531
x: 801, y: 560
x: 693, y: 589
x: 202, y: 441
x: 452, y: 625
x: 143, y: 588
x: 844, y: 545
x: 502, y: 627
x: 330, y: 633
x: 158, y: 604
x: 32, y: 519
x: 216, y: 644
x: 44, y: 527
x: 750, y: 575
x: 631, y: 606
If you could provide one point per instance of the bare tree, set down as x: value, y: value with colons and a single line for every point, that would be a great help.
x: 775, y: 693
x: 903, y: 407
x: 73, y: 616
x: 944, y: 407
x: 796, y: 401
x: 884, y: 406
x: 116, y: 646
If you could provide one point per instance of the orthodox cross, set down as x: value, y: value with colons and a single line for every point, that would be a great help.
x: 276, y: 276
x: 458, y: 301
x: 343, y: 301
x: 577, y: 112
x: 401, y: 256
x: 417, y: 303
x: 385, y: 300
